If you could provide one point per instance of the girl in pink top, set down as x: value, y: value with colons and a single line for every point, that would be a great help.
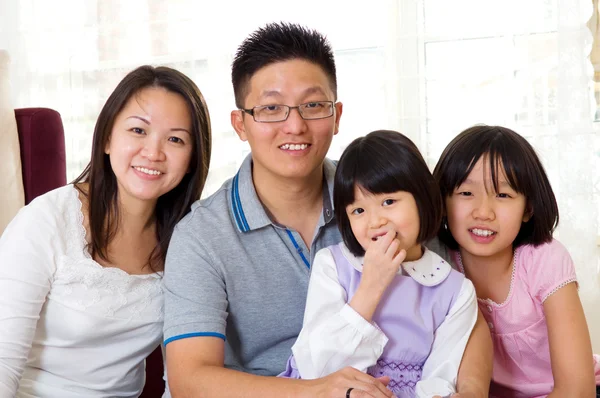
x: 501, y: 213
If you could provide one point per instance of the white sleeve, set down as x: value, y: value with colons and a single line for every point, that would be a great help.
x: 440, y: 370
x: 334, y: 335
x: 27, y: 257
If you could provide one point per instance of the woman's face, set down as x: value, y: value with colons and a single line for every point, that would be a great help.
x: 151, y: 144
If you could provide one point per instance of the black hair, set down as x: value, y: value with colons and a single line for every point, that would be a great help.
x: 277, y: 42
x: 385, y: 161
x: 102, y: 194
x: 501, y: 147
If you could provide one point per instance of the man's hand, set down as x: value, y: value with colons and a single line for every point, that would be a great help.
x: 336, y: 385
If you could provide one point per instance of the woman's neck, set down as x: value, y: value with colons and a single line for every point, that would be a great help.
x: 135, y: 238
x: 135, y: 216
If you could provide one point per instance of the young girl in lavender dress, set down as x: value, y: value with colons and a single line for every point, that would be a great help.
x: 380, y: 301
x: 501, y: 213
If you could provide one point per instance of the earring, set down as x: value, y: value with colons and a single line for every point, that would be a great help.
x: 445, y: 224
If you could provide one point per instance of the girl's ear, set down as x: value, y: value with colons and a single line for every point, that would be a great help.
x: 528, y: 213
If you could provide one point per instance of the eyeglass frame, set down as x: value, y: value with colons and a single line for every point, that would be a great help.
x: 251, y: 111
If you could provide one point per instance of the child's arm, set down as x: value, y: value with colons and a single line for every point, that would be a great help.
x: 334, y: 335
x: 441, y: 367
x: 570, y: 346
x: 475, y: 372
x: 550, y: 275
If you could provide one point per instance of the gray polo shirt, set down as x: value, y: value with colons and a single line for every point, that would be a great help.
x: 233, y: 273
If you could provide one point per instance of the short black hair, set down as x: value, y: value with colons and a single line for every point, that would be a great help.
x: 385, y: 161
x: 277, y: 42
x: 524, y: 172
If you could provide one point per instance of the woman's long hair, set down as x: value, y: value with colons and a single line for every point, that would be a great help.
x: 102, y: 194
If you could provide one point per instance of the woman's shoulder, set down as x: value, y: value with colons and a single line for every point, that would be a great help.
x: 56, y: 198
x: 51, y: 207
x: 42, y: 227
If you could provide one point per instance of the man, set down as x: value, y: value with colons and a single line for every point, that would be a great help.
x: 238, y: 265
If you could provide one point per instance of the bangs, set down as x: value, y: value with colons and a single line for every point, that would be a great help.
x: 378, y: 176
x: 375, y: 170
x: 498, y: 159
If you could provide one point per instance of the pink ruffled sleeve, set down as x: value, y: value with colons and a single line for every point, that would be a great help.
x: 548, y: 268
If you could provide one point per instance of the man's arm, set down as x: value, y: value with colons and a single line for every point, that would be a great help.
x: 195, y: 369
x: 195, y: 326
x: 475, y: 372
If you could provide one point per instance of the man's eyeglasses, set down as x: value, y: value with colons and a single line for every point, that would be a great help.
x: 279, y: 113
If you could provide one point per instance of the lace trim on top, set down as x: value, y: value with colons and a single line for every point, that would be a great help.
x: 512, y: 280
x: 80, y: 236
x: 82, y: 283
x: 403, y: 375
x: 557, y: 288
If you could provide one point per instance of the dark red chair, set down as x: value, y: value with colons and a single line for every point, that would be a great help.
x: 42, y: 141
x: 155, y: 385
x: 44, y: 166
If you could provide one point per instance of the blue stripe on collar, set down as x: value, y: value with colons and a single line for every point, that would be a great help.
x: 238, y: 211
x: 298, y: 248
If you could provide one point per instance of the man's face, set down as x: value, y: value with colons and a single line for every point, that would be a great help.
x: 293, y: 148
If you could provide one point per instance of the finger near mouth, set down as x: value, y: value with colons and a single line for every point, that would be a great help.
x: 376, y: 238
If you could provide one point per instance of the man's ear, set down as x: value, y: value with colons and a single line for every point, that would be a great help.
x: 338, y: 114
x: 237, y: 122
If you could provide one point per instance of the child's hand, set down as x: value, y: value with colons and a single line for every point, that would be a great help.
x: 382, y: 262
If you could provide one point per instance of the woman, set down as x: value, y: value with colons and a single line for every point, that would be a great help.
x: 81, y: 266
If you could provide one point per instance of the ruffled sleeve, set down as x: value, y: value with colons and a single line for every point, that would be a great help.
x: 547, y: 268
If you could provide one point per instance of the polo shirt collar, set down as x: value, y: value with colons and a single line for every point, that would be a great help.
x: 248, y: 211
x: 329, y: 167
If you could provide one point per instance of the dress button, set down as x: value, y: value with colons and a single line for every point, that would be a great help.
x: 491, y: 325
x: 489, y: 308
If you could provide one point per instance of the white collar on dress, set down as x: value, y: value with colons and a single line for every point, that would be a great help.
x: 429, y: 270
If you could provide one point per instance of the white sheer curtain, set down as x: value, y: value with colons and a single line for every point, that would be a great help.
x: 524, y: 65
x: 428, y: 68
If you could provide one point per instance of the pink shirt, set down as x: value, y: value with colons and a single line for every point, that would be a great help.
x: 522, y: 367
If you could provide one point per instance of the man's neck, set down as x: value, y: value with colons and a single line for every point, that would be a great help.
x: 295, y: 203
